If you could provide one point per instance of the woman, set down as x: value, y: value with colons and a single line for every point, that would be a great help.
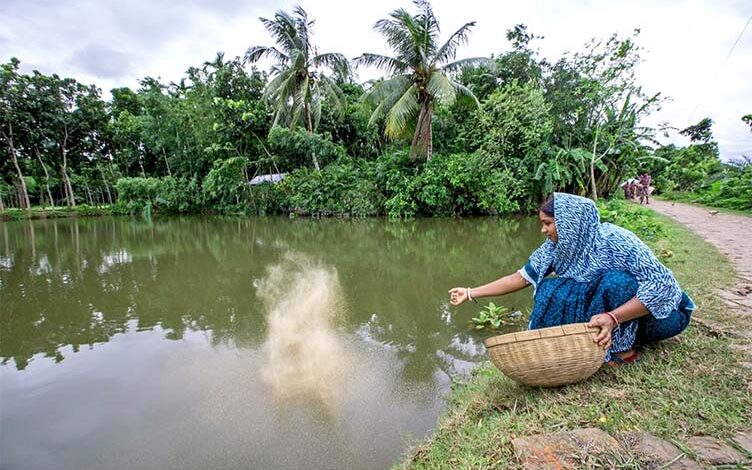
x: 605, y: 276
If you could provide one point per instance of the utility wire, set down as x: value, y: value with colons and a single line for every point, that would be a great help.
x: 689, y: 119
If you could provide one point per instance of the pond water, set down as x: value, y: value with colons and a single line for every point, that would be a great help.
x: 207, y: 342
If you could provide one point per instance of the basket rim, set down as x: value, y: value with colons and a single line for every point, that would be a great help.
x: 532, y: 335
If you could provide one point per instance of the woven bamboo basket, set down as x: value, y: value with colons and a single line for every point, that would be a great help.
x: 547, y: 357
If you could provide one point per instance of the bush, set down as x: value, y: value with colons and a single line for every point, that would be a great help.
x: 268, y: 199
x: 296, y: 149
x: 734, y: 191
x: 454, y: 185
x: 225, y: 185
x: 164, y: 195
x: 344, y: 188
x: 639, y: 220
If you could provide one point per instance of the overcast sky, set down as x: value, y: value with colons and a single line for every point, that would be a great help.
x: 114, y: 43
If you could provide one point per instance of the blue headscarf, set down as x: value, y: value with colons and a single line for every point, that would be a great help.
x: 587, y: 248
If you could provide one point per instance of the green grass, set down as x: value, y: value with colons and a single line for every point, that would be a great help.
x: 81, y: 210
x: 691, y: 385
x: 690, y: 198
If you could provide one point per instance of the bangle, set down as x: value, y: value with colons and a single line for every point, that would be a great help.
x: 613, y: 317
x: 470, y: 297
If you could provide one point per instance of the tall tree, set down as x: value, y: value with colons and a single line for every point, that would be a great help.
x: 298, y: 86
x: 597, y: 105
x: 13, y: 118
x: 420, y: 75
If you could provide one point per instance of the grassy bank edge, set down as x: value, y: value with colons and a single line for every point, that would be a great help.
x: 691, y: 199
x: 82, y: 210
x: 691, y: 385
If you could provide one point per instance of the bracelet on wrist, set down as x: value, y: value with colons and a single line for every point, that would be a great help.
x: 470, y: 297
x: 613, y: 317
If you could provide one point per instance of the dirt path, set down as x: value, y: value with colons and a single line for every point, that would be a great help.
x: 732, y: 235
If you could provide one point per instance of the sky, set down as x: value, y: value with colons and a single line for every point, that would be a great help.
x: 687, y: 55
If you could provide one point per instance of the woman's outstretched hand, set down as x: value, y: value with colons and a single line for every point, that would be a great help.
x: 457, y: 295
x: 606, y: 324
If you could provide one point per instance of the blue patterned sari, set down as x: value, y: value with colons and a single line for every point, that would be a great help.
x: 598, y: 268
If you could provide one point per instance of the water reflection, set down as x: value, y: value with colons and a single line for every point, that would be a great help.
x: 116, y: 331
x: 79, y: 282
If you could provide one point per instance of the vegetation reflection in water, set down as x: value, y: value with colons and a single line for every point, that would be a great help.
x: 272, y: 290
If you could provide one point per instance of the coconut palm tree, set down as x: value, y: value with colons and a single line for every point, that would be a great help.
x: 420, y: 74
x: 298, y: 86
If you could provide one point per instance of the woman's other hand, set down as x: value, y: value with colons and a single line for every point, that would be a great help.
x: 457, y: 295
x: 606, y: 324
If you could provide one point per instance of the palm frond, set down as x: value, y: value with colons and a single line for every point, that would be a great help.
x: 429, y: 29
x: 384, y: 89
x: 299, y: 102
x: 465, y: 95
x: 395, y: 31
x: 282, y: 30
x: 458, y: 65
x: 404, y: 111
x: 333, y: 61
x: 315, y: 99
x: 385, y: 94
x: 440, y: 87
x: 329, y: 89
x: 303, y: 28
x: 390, y: 65
x: 255, y: 53
x: 448, y: 51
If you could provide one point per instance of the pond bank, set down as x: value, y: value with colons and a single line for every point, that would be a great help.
x: 56, y: 212
x: 694, y: 385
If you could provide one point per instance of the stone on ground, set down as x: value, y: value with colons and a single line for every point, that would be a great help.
x: 654, y: 451
x: 715, y: 452
x: 744, y: 440
x: 564, y: 450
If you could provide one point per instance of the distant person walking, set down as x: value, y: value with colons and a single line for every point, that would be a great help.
x: 644, y: 188
x: 630, y: 188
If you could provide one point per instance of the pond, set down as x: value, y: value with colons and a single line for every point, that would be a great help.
x: 209, y: 342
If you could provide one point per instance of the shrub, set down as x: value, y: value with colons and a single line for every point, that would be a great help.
x: 639, y: 220
x: 297, y: 148
x: 346, y: 187
x: 268, y: 199
x: 454, y: 185
x: 164, y: 195
x: 225, y: 185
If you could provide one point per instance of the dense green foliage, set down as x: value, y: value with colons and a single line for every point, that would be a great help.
x: 163, y: 195
x: 696, y: 172
x: 529, y: 127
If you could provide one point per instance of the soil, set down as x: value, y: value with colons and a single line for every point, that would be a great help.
x: 732, y: 235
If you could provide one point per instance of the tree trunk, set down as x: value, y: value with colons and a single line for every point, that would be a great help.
x: 46, y: 176
x: 164, y: 155
x: 23, y: 195
x: 2, y: 204
x: 88, y: 194
x: 422, y: 143
x: 106, y: 186
x: 309, y: 127
x: 309, y: 121
x: 593, y: 186
x: 70, y: 198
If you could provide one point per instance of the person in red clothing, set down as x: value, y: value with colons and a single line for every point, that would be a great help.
x: 644, y: 188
